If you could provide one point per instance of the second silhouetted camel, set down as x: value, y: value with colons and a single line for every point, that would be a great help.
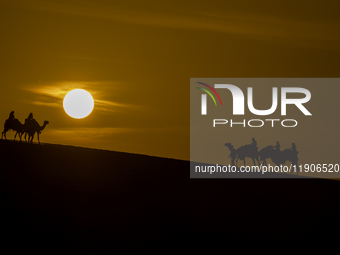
x: 33, y: 127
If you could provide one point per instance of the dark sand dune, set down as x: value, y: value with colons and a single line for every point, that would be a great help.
x: 64, y: 198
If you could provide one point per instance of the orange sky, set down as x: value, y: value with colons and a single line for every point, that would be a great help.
x: 137, y: 58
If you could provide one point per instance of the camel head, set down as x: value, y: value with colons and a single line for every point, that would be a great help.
x: 229, y: 145
x: 43, y: 126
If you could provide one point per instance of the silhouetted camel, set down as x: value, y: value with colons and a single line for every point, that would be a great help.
x: 279, y: 157
x: 288, y: 155
x: 269, y: 152
x: 15, y: 125
x: 243, y: 152
x: 33, y: 127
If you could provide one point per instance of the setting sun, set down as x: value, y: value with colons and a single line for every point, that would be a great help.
x: 78, y: 103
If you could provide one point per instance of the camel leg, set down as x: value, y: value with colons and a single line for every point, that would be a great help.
x: 15, y: 135
x: 254, y: 164
x: 244, y: 162
x: 4, y: 133
x: 38, y: 137
x: 232, y: 161
x: 258, y: 160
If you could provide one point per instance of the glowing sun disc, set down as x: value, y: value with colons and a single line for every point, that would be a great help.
x: 78, y: 103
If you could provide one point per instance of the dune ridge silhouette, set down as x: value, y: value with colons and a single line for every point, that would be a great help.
x: 58, y: 198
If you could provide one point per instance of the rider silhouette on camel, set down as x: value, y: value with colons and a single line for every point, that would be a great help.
x: 28, y: 121
x: 254, y: 143
x: 277, y: 146
x: 11, y: 116
x: 294, y: 148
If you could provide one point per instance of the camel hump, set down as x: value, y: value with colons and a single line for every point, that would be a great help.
x: 31, y: 124
x: 12, y: 122
x: 16, y: 121
x: 288, y: 153
x: 268, y: 148
x: 250, y: 146
x: 244, y: 147
x: 7, y: 121
x: 247, y: 148
x: 34, y: 122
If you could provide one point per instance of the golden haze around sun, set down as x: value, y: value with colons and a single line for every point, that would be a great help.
x: 78, y: 103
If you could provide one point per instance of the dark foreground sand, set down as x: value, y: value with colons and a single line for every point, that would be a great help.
x: 67, y: 199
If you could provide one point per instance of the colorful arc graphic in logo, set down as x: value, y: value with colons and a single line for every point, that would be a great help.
x: 208, y: 92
